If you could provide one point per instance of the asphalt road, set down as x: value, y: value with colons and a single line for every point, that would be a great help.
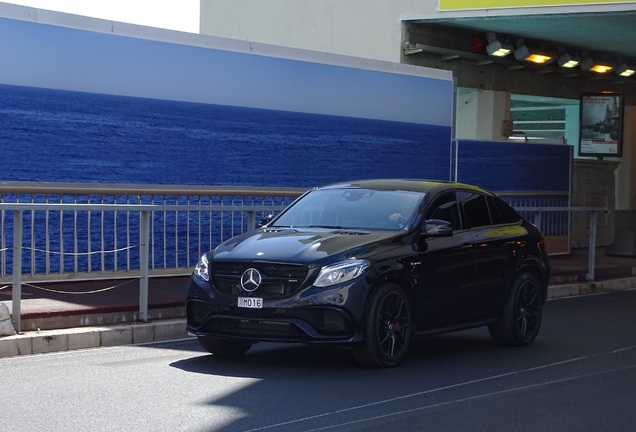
x: 580, y: 375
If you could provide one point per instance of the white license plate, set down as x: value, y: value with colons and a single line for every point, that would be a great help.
x: 250, y: 302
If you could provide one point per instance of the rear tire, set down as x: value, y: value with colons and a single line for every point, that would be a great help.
x: 387, y: 328
x: 520, y: 323
x: 224, y: 347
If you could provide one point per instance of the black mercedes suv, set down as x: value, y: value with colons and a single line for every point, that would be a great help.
x: 367, y: 265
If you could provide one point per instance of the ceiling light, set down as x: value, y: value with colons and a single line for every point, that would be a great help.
x: 624, y: 70
x: 588, y: 64
x: 496, y: 47
x: 499, y: 49
x: 535, y: 56
x: 601, y: 68
x: 539, y: 58
x: 566, y: 60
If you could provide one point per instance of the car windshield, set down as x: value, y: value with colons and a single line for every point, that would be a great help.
x: 352, y: 208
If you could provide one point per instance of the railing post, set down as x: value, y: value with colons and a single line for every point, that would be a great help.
x: 16, y: 293
x: 251, y: 220
x: 144, y: 240
x: 537, y: 219
x: 591, y: 258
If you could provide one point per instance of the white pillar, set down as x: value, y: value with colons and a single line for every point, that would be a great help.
x: 483, y: 115
x: 572, y: 126
x: 626, y: 171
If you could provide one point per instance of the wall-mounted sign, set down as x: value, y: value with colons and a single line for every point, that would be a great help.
x: 601, y: 124
x: 492, y: 4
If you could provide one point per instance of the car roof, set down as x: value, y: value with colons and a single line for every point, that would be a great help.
x: 415, y: 185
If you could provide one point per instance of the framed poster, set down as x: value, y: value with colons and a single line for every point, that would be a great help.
x: 601, y: 124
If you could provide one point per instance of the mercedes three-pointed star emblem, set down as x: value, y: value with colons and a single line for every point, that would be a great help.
x: 250, y: 280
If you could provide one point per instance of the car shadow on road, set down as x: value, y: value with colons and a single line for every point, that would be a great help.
x: 271, y: 358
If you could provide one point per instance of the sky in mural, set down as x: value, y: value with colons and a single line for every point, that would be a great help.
x: 49, y: 56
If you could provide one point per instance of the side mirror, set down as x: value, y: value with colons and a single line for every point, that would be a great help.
x: 265, y: 220
x: 437, y: 228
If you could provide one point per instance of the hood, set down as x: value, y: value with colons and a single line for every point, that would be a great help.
x: 301, y: 245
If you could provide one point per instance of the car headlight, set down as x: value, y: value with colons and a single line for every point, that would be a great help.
x: 201, y: 270
x: 341, y: 272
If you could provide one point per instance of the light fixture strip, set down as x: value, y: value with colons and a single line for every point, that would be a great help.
x: 497, y: 48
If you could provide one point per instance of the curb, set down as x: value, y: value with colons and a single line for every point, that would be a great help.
x: 45, y: 341
x: 595, y: 287
x: 6, y: 326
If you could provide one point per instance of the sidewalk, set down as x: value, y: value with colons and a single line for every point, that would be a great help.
x: 72, y: 315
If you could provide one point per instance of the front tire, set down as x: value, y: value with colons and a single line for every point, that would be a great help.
x: 223, y: 347
x: 521, y: 320
x: 387, y: 328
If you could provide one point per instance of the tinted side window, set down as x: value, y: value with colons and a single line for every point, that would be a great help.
x: 495, y: 216
x: 446, y: 208
x: 506, y: 212
x: 475, y: 209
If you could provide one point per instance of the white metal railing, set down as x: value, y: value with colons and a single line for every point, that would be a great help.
x: 554, y: 223
x: 92, y: 248
x: 91, y: 231
x: 83, y: 232
x: 145, y: 212
x: 539, y: 215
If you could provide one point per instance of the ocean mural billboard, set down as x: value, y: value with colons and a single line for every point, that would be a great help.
x: 103, y: 102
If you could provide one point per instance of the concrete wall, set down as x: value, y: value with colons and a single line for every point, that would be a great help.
x: 358, y: 28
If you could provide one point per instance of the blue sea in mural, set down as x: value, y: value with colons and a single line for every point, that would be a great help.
x: 61, y: 136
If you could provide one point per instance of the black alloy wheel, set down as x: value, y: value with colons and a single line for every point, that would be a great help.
x: 387, y: 328
x: 521, y: 320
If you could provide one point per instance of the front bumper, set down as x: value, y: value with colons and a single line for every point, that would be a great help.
x: 314, y: 315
